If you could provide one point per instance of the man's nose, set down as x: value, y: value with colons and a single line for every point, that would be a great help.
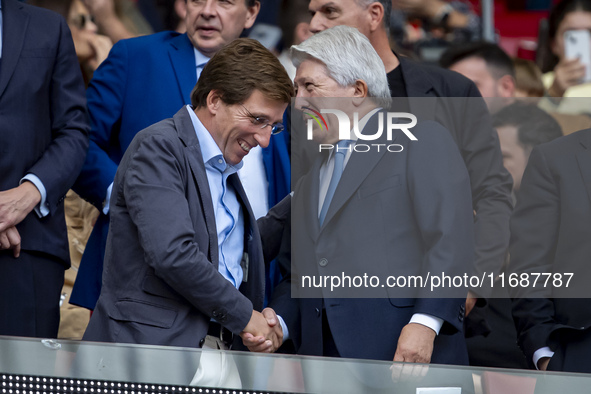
x: 301, y: 99
x: 263, y: 137
x: 317, y: 23
x: 209, y: 8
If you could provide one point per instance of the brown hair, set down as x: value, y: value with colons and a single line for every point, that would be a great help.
x: 528, y: 77
x: 237, y: 70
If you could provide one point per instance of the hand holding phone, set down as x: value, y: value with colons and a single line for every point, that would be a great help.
x: 577, y: 45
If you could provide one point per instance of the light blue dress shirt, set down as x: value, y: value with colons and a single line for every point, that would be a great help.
x: 229, y: 215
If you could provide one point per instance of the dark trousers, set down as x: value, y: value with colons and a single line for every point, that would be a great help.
x: 30, y: 288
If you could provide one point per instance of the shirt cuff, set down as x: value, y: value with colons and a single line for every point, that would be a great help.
x: 284, y: 328
x: 541, y: 353
x: 432, y: 322
x: 42, y: 209
x: 107, y: 203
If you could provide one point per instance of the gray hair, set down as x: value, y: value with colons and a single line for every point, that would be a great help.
x: 348, y: 56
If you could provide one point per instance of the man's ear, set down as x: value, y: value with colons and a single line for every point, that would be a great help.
x: 376, y: 15
x: 214, y: 101
x: 506, y: 86
x: 302, y: 32
x: 251, y: 13
x: 361, y: 92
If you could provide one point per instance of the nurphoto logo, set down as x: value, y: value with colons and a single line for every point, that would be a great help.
x: 345, y: 129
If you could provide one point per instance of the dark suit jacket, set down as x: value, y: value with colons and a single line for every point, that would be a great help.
x: 161, y: 283
x: 550, y: 232
x: 43, y: 127
x: 143, y: 81
x: 456, y: 104
x: 409, y: 212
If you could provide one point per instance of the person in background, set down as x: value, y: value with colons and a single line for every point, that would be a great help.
x: 564, y: 78
x: 528, y: 78
x: 421, y: 24
x: 43, y: 142
x: 118, y: 19
x: 522, y: 127
x: 294, y: 21
x: 488, y: 66
x: 91, y: 49
x: 528, y: 84
x: 491, y: 69
x: 550, y: 232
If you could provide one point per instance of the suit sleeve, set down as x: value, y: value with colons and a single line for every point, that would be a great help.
x: 60, y: 164
x: 534, y: 234
x: 154, y: 194
x: 105, y: 96
x: 272, y: 226
x: 491, y: 186
x: 440, y: 189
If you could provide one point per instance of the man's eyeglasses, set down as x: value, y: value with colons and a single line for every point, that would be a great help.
x: 81, y: 20
x: 276, y: 128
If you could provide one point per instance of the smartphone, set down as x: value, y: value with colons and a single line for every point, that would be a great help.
x: 577, y: 44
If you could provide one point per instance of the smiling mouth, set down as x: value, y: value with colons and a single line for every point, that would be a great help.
x: 245, y: 147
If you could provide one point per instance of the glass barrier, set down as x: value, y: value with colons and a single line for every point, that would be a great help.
x: 59, y: 366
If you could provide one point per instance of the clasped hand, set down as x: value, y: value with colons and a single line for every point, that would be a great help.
x: 263, y: 332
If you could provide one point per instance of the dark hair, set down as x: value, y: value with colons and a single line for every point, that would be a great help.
x: 235, y: 71
x: 497, y: 60
x: 557, y: 14
x: 293, y: 12
x: 560, y: 10
x: 534, y: 125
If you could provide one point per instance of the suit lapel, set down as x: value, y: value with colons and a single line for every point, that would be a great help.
x: 15, y: 21
x: 182, y: 57
x: 187, y: 134
x: 418, y: 85
x: 356, y: 170
x: 584, y: 160
x: 311, y: 188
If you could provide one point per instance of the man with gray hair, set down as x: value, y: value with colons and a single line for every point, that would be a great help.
x: 375, y: 211
x: 466, y: 120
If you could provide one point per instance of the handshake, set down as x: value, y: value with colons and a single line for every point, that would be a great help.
x: 263, y: 332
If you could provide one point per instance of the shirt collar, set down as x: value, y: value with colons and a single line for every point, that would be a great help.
x: 210, y: 151
x: 200, y: 59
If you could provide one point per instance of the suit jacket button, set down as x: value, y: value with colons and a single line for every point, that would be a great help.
x: 317, y: 312
x: 201, y: 342
x: 323, y: 262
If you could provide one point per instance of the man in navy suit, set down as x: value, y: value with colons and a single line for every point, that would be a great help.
x: 145, y: 80
x: 43, y: 141
x: 476, y: 139
x: 406, y: 213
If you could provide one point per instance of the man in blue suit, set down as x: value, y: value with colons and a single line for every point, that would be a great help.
x: 143, y: 81
x: 43, y: 140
